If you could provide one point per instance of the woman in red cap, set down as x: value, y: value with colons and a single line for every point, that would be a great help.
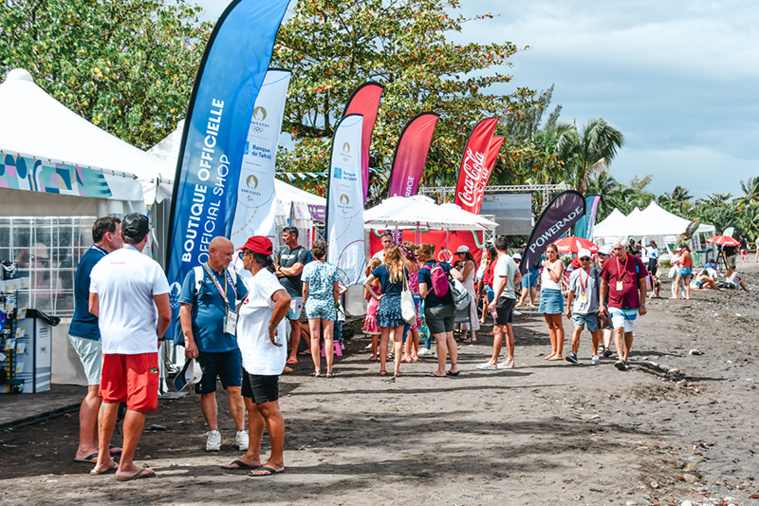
x: 260, y: 336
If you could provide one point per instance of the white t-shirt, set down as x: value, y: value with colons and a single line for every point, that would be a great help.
x: 259, y: 355
x: 505, y: 267
x: 126, y: 282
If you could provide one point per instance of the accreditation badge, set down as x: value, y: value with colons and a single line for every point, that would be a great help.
x: 620, y: 284
x: 230, y: 323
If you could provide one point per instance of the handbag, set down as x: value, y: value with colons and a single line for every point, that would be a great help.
x: 408, y: 308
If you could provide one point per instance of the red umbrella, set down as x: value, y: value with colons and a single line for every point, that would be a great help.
x: 723, y: 240
x: 574, y: 245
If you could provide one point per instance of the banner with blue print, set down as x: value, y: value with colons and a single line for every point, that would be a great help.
x: 256, y: 209
x: 218, y: 120
x: 345, y: 202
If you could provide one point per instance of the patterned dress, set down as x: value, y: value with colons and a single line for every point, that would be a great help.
x: 370, y: 320
x: 321, y: 278
x: 413, y: 284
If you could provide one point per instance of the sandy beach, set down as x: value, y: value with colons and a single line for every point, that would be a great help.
x: 542, y: 433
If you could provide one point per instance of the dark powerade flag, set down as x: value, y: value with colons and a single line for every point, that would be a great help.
x: 558, y: 217
x: 473, y: 164
x: 410, y: 155
x: 365, y: 102
x: 230, y: 76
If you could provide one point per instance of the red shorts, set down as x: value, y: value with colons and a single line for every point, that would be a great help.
x: 131, y: 378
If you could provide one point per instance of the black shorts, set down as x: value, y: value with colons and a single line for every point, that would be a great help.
x: 504, y: 310
x: 260, y: 388
x: 227, y: 366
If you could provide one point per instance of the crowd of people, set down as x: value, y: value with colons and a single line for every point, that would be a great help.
x: 236, y: 331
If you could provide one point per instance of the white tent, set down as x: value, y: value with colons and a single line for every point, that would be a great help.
x: 292, y: 203
x: 422, y: 212
x: 38, y: 127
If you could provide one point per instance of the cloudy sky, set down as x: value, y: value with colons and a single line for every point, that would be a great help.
x: 678, y: 79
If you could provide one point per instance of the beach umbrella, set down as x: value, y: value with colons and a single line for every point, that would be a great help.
x: 723, y: 240
x: 574, y: 245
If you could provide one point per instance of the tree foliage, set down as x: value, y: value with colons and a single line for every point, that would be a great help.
x: 333, y: 47
x: 127, y: 66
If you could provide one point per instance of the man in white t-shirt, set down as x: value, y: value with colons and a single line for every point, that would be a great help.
x: 129, y: 294
x: 505, y: 278
x: 387, y: 242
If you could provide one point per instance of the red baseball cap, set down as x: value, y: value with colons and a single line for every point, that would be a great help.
x: 258, y: 244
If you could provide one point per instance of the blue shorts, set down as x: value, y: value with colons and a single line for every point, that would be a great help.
x: 684, y: 272
x: 551, y: 301
x: 490, y: 293
x: 321, y: 308
x: 624, y: 318
x: 529, y: 281
x: 579, y: 320
x: 227, y: 366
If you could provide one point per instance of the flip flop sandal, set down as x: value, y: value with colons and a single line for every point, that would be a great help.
x: 269, y: 471
x: 145, y: 472
x: 89, y: 459
x: 238, y: 465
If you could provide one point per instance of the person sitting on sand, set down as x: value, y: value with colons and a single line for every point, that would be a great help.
x: 732, y: 280
x: 704, y: 281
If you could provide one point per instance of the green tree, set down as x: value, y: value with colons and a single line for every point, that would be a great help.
x: 750, y: 195
x: 333, y: 47
x: 678, y: 201
x: 588, y: 151
x: 127, y: 66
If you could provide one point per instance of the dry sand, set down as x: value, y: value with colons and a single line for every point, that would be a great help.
x: 543, y: 433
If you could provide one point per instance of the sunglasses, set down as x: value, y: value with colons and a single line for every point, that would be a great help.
x: 603, y: 255
x: 585, y: 259
x: 241, y: 254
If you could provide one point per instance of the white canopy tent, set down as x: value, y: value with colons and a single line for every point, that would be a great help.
x: 294, y: 206
x: 422, y: 212
x: 40, y: 128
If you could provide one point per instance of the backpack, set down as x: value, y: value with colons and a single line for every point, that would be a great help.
x: 439, y: 280
x: 200, y: 276
x: 461, y: 298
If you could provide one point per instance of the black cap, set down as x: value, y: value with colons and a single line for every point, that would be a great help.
x: 135, y: 226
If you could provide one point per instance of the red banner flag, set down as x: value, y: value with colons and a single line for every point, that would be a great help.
x: 410, y: 155
x: 493, y: 149
x: 365, y: 101
x: 473, y: 164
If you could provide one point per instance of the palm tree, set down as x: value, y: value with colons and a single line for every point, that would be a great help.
x: 751, y: 194
x: 608, y: 188
x: 677, y: 202
x: 588, y: 151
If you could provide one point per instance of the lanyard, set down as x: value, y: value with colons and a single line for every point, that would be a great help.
x: 218, y: 285
x: 621, y: 275
x: 130, y: 246
x: 586, y: 280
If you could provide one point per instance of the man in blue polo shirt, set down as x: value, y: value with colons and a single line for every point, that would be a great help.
x: 208, y: 318
x: 85, y: 335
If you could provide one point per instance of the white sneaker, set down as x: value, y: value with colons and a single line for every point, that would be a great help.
x: 516, y: 313
x: 241, y: 440
x: 213, y: 443
x: 425, y: 351
x: 595, y: 360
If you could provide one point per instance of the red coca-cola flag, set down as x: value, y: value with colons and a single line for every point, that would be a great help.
x: 473, y: 164
x: 493, y: 149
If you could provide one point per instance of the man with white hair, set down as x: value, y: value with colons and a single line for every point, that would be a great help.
x: 623, y: 277
x: 583, y: 290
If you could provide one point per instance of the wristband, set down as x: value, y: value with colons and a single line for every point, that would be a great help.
x: 272, y: 326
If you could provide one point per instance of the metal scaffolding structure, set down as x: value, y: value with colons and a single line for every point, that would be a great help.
x: 546, y: 189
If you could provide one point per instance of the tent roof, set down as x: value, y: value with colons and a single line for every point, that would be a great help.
x: 168, y: 151
x: 652, y: 221
x: 421, y: 211
x: 37, y: 125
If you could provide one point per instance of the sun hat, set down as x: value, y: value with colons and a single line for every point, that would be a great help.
x: 258, y: 244
x: 605, y: 250
x: 517, y: 256
x: 583, y: 253
x: 188, y: 376
x: 462, y: 249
